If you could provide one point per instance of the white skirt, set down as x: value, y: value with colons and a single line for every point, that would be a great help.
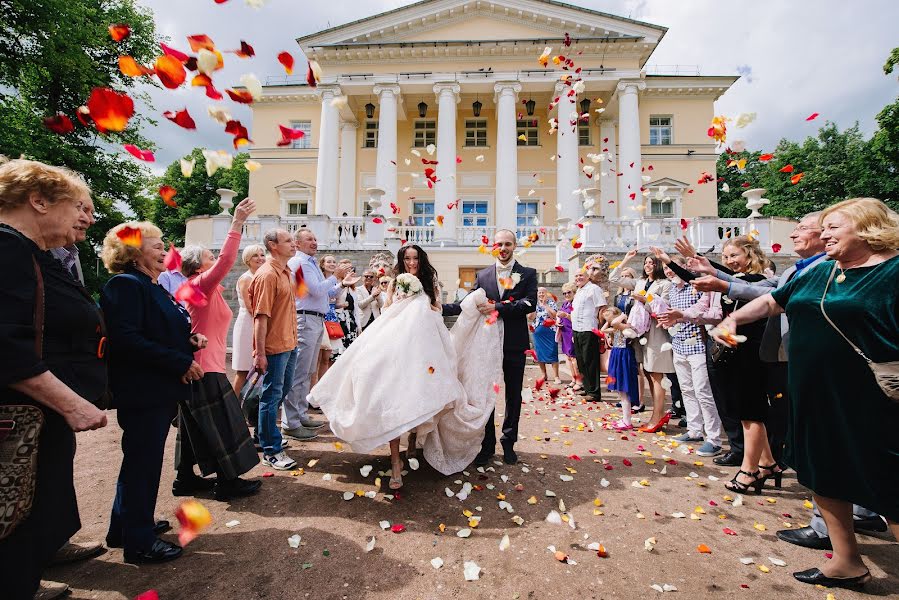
x: 242, y: 342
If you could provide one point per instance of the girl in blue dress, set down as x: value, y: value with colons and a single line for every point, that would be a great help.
x: 545, y: 334
x: 622, y: 364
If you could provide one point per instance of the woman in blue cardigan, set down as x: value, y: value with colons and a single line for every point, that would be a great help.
x: 151, y: 366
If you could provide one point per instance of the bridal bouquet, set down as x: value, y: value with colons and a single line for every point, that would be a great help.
x: 406, y: 285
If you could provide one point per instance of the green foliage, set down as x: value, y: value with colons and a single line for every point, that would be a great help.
x: 892, y: 61
x: 196, y: 194
x: 52, y: 53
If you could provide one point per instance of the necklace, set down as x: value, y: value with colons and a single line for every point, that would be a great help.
x: 842, y: 276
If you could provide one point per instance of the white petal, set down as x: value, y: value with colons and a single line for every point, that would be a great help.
x: 504, y: 543
x: 554, y: 518
x: 413, y: 464
x: 463, y: 533
x: 294, y: 541
x: 437, y: 562
x: 233, y: 523
x: 384, y: 524
x: 472, y: 571
x: 370, y: 545
x: 348, y: 495
x: 365, y: 470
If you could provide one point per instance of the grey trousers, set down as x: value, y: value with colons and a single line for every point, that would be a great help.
x: 821, y: 528
x: 310, y: 330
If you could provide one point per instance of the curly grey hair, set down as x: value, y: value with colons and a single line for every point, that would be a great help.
x: 191, y: 259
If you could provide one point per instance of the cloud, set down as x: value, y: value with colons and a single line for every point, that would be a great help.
x: 822, y: 56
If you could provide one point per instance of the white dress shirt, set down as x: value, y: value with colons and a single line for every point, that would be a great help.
x: 587, y: 300
x: 503, y: 272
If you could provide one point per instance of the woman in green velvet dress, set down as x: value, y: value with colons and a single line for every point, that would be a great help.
x: 842, y: 440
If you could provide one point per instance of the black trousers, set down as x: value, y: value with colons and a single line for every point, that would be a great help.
x: 143, y: 444
x: 513, y: 375
x: 677, y: 398
x: 779, y: 407
x: 586, y: 351
x: 732, y: 425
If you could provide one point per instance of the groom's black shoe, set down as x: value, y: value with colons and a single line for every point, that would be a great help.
x: 509, y: 456
x: 483, y: 457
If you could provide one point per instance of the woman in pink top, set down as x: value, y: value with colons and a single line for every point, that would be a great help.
x: 212, y: 432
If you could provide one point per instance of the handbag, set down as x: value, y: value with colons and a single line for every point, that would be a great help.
x: 886, y: 374
x: 20, y: 428
x: 721, y: 353
x: 335, y: 331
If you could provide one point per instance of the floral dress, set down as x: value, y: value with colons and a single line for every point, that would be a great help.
x: 545, y: 335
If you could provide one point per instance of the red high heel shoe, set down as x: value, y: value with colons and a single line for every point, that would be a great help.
x: 658, y: 426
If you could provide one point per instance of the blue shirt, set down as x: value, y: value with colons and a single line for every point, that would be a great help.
x: 802, y: 264
x: 319, y: 287
x: 171, y: 281
x: 687, y: 340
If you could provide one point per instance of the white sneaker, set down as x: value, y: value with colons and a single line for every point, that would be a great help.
x: 280, y: 461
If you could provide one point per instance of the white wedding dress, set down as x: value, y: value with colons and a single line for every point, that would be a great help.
x: 407, y: 371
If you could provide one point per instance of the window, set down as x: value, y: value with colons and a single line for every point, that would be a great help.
x: 422, y: 213
x: 528, y: 129
x: 474, y: 213
x: 661, y: 207
x: 425, y: 134
x: 475, y: 133
x: 526, y: 215
x: 306, y: 128
x: 296, y: 209
x: 371, y: 135
x: 659, y: 131
x: 583, y: 133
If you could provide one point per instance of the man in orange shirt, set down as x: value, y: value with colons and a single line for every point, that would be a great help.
x: 274, y: 341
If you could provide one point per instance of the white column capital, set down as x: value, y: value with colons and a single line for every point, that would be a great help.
x: 506, y: 88
x: 630, y: 87
x: 561, y: 87
x: 383, y: 89
x: 348, y: 125
x: 448, y: 88
x: 329, y: 91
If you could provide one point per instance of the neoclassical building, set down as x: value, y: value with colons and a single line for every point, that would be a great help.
x: 458, y: 82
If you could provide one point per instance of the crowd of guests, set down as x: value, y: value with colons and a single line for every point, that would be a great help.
x: 714, y: 336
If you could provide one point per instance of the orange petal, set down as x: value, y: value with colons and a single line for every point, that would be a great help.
x: 194, y: 518
x: 241, y: 96
x: 797, y: 178
x: 170, y: 71
x: 200, y: 41
x: 109, y: 109
x: 119, y: 31
x: 786, y: 169
x: 168, y: 192
x: 130, y: 236
x: 201, y: 80
x: 129, y: 67
x: 286, y: 61
x: 703, y: 549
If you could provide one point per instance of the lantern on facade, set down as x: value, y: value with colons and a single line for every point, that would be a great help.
x: 476, y: 108
x: 422, y: 109
x: 585, y: 105
x: 530, y: 105
x: 369, y: 110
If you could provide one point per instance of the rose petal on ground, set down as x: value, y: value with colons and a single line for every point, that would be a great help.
x: 504, y: 543
x: 436, y: 562
x: 463, y: 533
x: 371, y: 544
x: 294, y: 541
x: 471, y: 571
x: 398, y: 528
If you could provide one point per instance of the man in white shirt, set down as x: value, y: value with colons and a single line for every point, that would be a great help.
x: 588, y: 301
x: 369, y: 298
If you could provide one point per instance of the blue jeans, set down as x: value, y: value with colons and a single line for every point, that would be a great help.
x: 275, y: 386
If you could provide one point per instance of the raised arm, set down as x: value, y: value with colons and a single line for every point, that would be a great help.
x: 615, y: 276
x: 209, y: 280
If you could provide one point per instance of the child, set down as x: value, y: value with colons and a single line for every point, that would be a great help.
x: 622, y: 363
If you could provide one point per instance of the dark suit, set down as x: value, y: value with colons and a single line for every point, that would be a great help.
x: 149, y: 352
x: 513, y: 307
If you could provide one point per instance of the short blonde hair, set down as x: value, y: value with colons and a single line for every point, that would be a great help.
x: 115, y: 254
x: 251, y: 251
x: 21, y: 178
x: 758, y: 262
x: 568, y: 287
x: 873, y: 220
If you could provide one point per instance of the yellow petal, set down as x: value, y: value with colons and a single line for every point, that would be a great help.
x: 764, y: 569
x: 808, y: 505
x: 760, y: 527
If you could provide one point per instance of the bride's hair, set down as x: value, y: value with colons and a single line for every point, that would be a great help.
x: 426, y: 273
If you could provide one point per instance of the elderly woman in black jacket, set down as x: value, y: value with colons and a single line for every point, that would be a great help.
x: 150, y: 368
x: 50, y: 356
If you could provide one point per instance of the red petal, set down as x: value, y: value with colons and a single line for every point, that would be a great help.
x: 170, y: 71
x: 398, y: 528
x: 684, y: 224
x: 119, y: 32
x: 110, y: 110
x: 241, y: 96
x: 191, y: 294
x: 538, y: 385
x: 560, y: 268
x: 812, y: 117
x: 181, y: 118
x: 130, y: 236
x: 168, y: 192
x: 148, y: 595
x: 246, y: 50
x: 787, y: 169
x: 633, y: 195
x: 797, y: 178
x: 286, y: 61
x: 213, y: 93
x: 310, y: 77
x: 377, y: 220
x: 60, y: 124
x: 775, y: 248
x: 169, y: 51
x: 627, y: 463
x: 765, y: 157
x: 172, y: 258
x: 201, y: 80
x: 145, y: 155
x: 729, y: 531
x: 201, y: 41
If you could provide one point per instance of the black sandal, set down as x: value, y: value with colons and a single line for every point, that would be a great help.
x: 735, y: 485
x: 776, y: 473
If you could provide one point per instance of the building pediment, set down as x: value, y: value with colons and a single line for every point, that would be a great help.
x: 483, y: 20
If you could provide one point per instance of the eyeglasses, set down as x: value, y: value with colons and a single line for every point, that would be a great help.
x: 369, y: 276
x: 804, y: 228
x: 567, y: 293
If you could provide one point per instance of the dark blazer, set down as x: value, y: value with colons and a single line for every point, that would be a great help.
x: 512, y: 305
x: 149, y: 343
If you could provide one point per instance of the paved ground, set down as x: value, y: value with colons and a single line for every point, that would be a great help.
x: 616, y: 490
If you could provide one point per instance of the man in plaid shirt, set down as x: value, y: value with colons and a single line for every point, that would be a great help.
x: 688, y: 345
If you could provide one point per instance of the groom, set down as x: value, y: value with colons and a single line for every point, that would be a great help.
x: 512, y: 292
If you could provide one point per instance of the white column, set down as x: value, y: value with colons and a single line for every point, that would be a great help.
x: 445, y: 189
x: 629, y: 162
x: 328, y: 153
x: 385, y: 168
x: 608, y: 175
x: 346, y: 200
x: 567, y: 164
x: 506, y: 98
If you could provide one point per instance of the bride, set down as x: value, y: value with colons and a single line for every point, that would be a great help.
x: 408, y: 373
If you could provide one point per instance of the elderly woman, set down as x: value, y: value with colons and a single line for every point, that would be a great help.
x: 842, y: 438
x: 212, y: 431
x: 151, y: 367
x: 51, y: 357
x: 544, y: 322
x: 565, y: 334
x: 242, y: 336
x: 655, y: 361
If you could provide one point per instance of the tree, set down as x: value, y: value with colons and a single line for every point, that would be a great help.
x: 52, y: 53
x: 196, y: 194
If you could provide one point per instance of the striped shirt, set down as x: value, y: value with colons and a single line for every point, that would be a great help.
x: 687, y: 337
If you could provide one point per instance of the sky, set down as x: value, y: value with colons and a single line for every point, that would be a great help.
x: 796, y: 57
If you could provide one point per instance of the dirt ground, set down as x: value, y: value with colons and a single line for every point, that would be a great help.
x: 618, y: 490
